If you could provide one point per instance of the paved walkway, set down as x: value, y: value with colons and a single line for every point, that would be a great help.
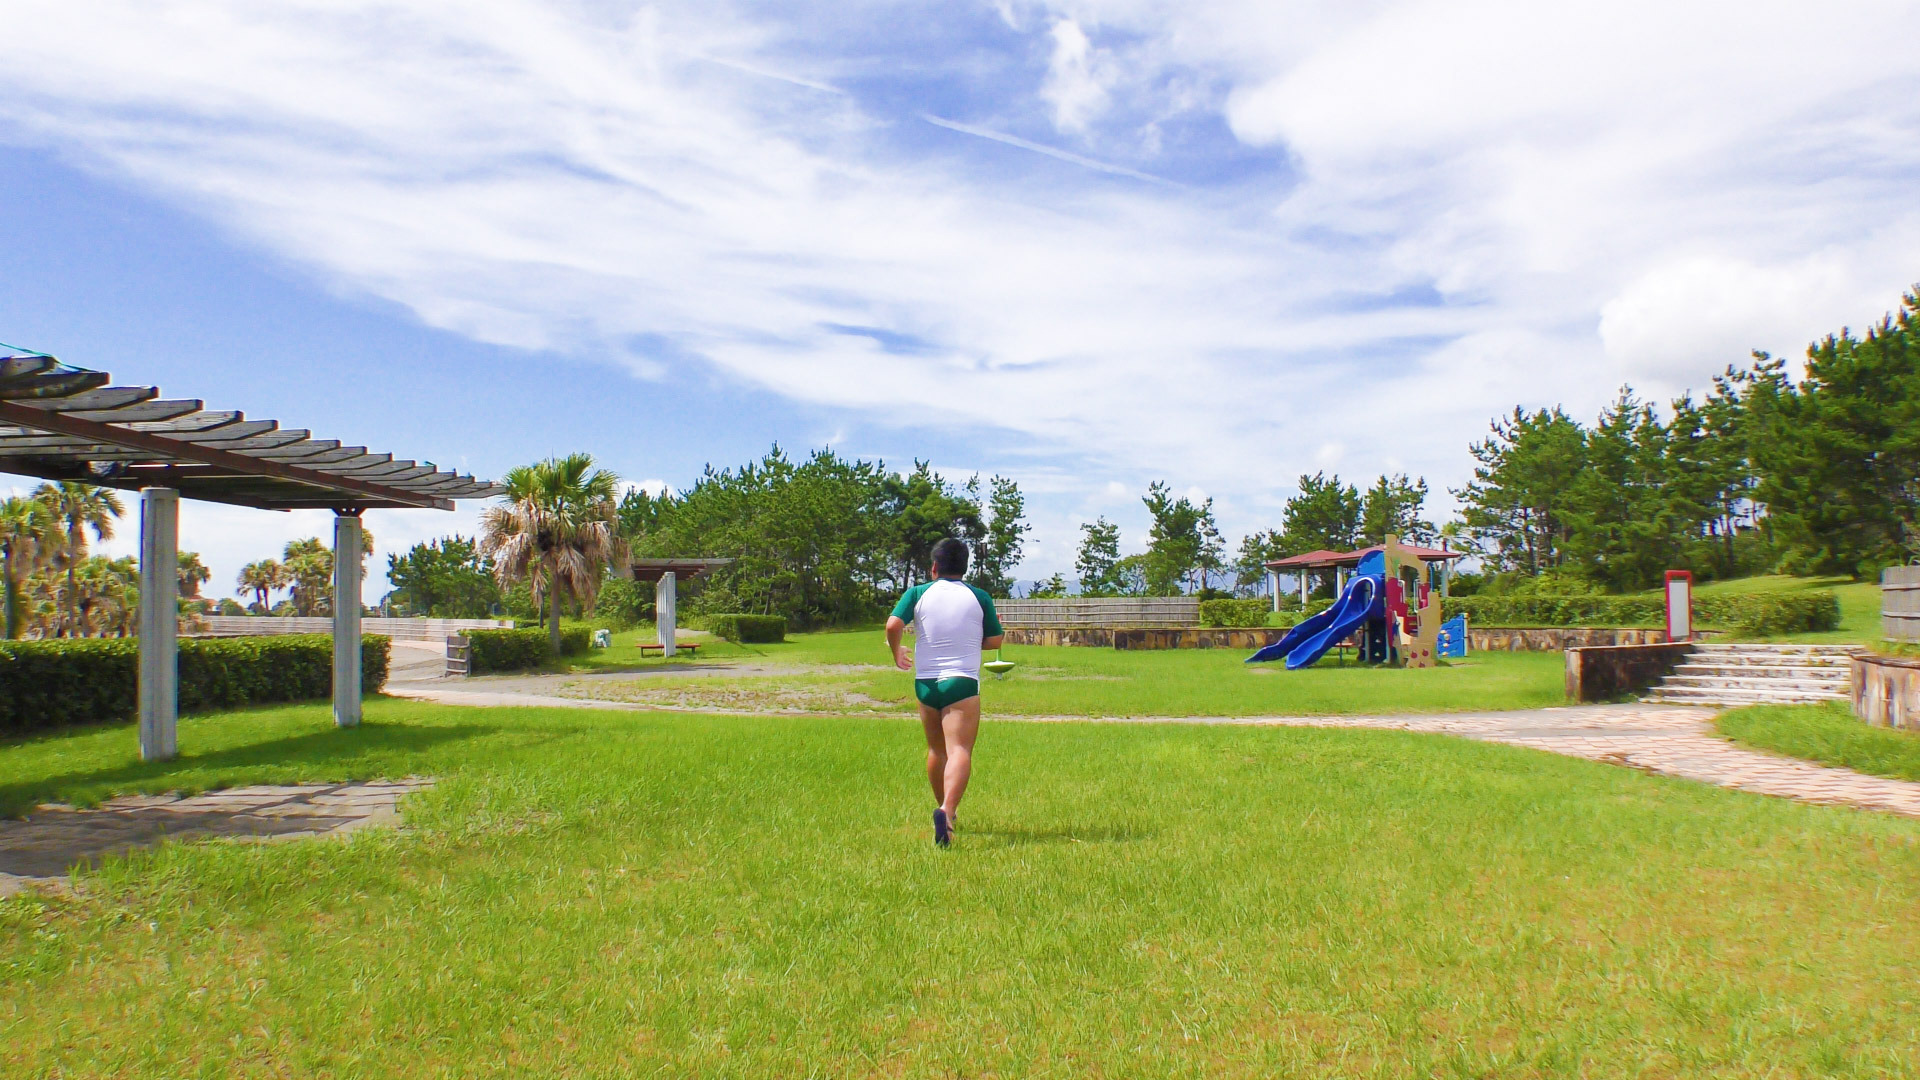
x: 57, y: 837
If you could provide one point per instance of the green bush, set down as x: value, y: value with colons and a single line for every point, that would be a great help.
x: 748, y: 629
x: 47, y: 684
x: 1747, y: 613
x: 1771, y: 613
x: 529, y: 647
x: 1235, y: 611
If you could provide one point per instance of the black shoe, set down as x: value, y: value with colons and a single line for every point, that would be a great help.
x: 942, y: 829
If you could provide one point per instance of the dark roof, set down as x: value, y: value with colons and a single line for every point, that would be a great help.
x: 653, y: 569
x: 65, y: 423
x: 1327, y: 560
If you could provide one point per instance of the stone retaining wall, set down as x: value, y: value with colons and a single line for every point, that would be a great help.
x: 1557, y: 639
x: 1603, y: 672
x: 1248, y: 638
x: 1886, y: 690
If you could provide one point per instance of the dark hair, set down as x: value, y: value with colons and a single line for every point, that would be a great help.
x: 950, y: 557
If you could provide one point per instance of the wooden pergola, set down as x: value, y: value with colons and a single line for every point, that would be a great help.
x: 665, y: 574
x: 64, y: 423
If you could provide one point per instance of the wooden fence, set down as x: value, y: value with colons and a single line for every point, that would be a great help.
x: 1128, y: 611
x: 1900, y: 603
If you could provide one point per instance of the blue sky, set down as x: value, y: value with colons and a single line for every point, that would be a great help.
x: 1086, y: 245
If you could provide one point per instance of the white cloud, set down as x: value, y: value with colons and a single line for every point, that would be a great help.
x: 1077, y: 78
x: 1586, y: 194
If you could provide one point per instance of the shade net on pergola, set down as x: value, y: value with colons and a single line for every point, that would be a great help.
x: 64, y: 423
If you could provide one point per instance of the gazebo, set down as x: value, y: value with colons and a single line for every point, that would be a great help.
x: 1342, y: 561
x: 64, y: 423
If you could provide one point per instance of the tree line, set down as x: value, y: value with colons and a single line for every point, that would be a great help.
x: 1765, y: 472
x: 52, y: 583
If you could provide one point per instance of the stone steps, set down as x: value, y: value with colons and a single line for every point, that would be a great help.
x: 1782, y: 671
x: 1736, y: 674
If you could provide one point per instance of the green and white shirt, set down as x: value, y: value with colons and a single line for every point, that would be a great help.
x: 950, y: 619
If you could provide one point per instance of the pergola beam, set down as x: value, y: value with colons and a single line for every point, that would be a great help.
x: 185, y: 450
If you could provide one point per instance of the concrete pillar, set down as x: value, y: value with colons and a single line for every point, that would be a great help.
x: 346, y: 619
x: 159, y: 623
x: 1303, y: 589
x: 664, y: 613
x: 1273, y: 587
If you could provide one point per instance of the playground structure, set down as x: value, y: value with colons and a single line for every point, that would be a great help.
x: 1390, y: 607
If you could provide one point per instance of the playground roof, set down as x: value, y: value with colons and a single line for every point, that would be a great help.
x: 1328, y: 560
x: 64, y: 423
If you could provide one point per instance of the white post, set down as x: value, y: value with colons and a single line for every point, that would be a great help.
x: 1273, y: 587
x: 663, y: 612
x: 1303, y: 590
x: 346, y: 619
x: 159, y: 623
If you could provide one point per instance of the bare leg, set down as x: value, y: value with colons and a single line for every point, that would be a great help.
x: 960, y: 726
x: 936, y: 752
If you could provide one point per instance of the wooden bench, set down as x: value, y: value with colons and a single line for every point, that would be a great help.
x: 691, y: 647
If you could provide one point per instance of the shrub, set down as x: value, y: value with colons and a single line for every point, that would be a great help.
x: 1771, y: 613
x: 513, y: 650
x: 1235, y: 611
x: 46, y: 684
x: 748, y: 629
x: 1748, y: 613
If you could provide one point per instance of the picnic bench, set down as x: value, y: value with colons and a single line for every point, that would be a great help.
x: 692, y: 647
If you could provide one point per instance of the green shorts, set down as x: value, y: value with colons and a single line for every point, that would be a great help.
x: 940, y: 693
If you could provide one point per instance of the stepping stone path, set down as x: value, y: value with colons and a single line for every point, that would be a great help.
x: 56, y: 837
x: 1757, y: 675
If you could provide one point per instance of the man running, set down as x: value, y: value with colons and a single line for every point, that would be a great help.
x: 954, y: 621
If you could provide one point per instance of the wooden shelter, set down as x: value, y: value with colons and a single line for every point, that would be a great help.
x: 666, y: 574
x: 64, y: 423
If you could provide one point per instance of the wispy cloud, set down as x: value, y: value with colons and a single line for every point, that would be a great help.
x: 1545, y: 200
x: 1042, y: 148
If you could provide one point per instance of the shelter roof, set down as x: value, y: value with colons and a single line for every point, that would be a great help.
x: 1328, y: 560
x: 64, y: 423
x: 654, y: 569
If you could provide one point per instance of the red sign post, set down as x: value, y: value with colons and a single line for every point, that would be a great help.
x: 1679, y: 605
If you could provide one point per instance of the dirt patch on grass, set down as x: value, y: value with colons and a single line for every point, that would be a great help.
x: 734, y: 695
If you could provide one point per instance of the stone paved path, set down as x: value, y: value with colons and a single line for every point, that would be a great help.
x: 56, y: 837
x: 1664, y: 739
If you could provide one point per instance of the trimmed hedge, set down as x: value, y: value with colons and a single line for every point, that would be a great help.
x: 48, y: 684
x: 1235, y: 611
x: 1747, y: 613
x: 748, y: 629
x: 512, y: 650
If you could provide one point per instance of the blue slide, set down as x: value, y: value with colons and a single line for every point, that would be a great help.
x: 1310, y: 640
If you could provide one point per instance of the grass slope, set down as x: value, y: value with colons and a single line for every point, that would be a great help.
x: 1828, y: 733
x: 614, y: 894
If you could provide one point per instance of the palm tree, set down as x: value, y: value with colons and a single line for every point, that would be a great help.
x: 27, y: 534
x: 309, y: 568
x: 193, y: 574
x: 259, y: 580
x: 558, y: 529
x: 79, y: 507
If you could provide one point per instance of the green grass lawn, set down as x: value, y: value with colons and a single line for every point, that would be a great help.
x: 1827, y: 733
x: 614, y: 894
x: 834, y: 672
x: 1859, y: 605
